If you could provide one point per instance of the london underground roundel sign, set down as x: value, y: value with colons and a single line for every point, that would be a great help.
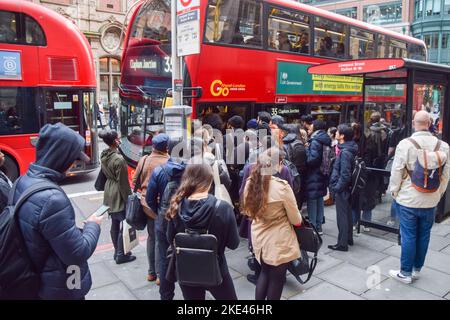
x: 357, y: 66
x: 185, y: 3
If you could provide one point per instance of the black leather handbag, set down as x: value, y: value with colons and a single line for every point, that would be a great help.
x: 100, y: 181
x: 308, y: 237
x: 309, y: 241
x: 134, y: 213
x: 197, y: 261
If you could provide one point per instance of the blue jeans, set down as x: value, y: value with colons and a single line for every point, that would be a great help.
x: 394, y: 210
x: 315, y: 212
x: 366, y: 215
x: 415, y: 229
x: 166, y: 288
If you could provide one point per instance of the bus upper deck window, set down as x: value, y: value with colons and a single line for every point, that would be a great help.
x: 236, y: 22
x: 288, y: 31
x: 33, y: 32
x: 8, y: 27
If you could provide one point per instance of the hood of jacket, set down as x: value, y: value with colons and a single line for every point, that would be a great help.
x: 322, y: 137
x: 351, y: 146
x: 377, y: 127
x: 174, y: 168
x: 58, y: 147
x: 290, y: 137
x: 195, y: 214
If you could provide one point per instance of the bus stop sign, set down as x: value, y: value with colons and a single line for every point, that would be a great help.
x: 357, y: 66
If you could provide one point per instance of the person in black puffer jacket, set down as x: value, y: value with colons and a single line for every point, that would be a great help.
x: 47, y: 218
x: 192, y: 207
x: 296, y: 153
x: 316, y: 182
x: 340, y: 185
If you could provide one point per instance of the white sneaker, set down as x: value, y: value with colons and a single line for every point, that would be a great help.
x: 390, y: 223
x: 397, y: 275
x: 365, y: 229
x: 354, y: 228
x: 415, y: 275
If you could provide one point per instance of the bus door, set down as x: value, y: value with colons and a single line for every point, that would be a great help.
x: 226, y: 110
x: 332, y: 114
x: 64, y: 106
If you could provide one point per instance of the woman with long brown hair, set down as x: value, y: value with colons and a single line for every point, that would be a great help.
x: 270, y: 202
x: 192, y: 207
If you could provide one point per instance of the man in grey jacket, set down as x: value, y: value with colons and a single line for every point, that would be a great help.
x: 416, y: 209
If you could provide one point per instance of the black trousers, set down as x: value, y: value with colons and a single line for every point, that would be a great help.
x: 224, y: 291
x: 116, y: 232
x: 344, y: 218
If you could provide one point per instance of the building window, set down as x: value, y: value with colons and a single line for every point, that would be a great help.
x: 382, y: 14
x: 109, y: 79
x: 66, y: 2
x: 110, y: 5
x: 429, y: 7
x: 350, y: 12
x: 446, y: 6
x: 432, y: 42
x: 445, y: 54
x: 436, y: 7
x: 418, y: 8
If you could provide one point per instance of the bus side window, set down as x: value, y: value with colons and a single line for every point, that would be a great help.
x: 234, y: 22
x: 33, y: 32
x: 288, y: 31
x: 8, y: 27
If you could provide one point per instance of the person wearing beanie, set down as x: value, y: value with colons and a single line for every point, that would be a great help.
x: 117, y: 190
x: 252, y: 124
x: 145, y: 168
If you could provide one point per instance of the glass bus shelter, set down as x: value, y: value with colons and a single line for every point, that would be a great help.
x: 396, y: 88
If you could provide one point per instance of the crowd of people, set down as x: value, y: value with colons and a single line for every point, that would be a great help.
x: 183, y: 193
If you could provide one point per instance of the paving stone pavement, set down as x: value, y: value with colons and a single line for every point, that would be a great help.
x: 360, y: 274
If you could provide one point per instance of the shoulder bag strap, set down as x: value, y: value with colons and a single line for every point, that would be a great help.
x: 216, y: 174
x: 211, y: 218
x: 138, y: 180
x: 12, y: 192
x: 40, y: 186
x: 414, y: 142
x: 438, y: 145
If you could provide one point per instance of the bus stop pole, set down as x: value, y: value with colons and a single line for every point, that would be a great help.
x: 176, y: 61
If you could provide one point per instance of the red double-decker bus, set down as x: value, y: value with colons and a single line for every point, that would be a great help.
x: 254, y: 56
x: 46, y: 76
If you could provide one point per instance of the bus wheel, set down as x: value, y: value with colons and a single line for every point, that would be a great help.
x: 10, y: 168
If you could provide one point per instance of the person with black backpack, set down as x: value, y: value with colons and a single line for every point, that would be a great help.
x: 43, y: 253
x: 296, y: 154
x: 194, y: 212
x: 319, y: 168
x: 163, y: 184
x: 340, y: 185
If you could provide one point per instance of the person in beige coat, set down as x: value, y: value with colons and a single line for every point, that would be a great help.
x: 270, y: 202
x: 145, y: 167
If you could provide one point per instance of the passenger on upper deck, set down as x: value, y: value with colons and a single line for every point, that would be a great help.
x: 283, y: 42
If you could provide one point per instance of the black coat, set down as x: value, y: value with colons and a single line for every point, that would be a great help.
x: 47, y: 219
x: 341, y: 176
x: 316, y: 182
